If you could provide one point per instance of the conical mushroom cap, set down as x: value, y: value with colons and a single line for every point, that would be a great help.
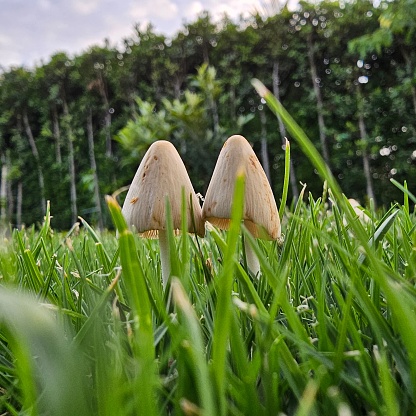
x: 161, y: 174
x: 260, y: 215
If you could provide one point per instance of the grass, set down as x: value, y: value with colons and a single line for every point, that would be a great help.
x: 328, y: 328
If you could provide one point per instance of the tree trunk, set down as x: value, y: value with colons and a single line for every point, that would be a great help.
x: 71, y: 162
x: 263, y: 142
x: 56, y: 134
x: 364, y: 138
x: 233, y: 109
x: 366, y: 159
x: 319, y: 101
x: 93, y: 165
x: 409, y: 71
x: 107, y: 117
x: 3, y: 190
x: 107, y: 122
x: 177, y: 83
x: 19, y: 202
x: 37, y: 158
x: 215, y: 117
x: 282, y: 129
x: 9, y: 194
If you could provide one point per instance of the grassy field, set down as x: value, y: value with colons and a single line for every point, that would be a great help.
x: 328, y: 328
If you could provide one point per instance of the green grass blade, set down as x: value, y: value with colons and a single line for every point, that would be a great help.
x: 47, y: 364
x: 402, y: 305
x: 193, y: 343
x: 404, y: 189
x: 223, y: 313
x: 285, y: 181
x: 143, y: 328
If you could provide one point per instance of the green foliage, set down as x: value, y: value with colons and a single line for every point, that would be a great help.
x: 190, y: 122
x: 146, y: 127
x: 194, y: 89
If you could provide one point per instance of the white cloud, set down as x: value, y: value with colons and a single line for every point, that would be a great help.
x: 33, y: 30
x: 9, y: 55
x: 44, y: 4
x: 234, y: 8
x: 194, y: 9
x: 85, y: 6
x: 157, y: 9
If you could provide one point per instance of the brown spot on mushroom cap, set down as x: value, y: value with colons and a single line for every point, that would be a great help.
x: 165, y: 177
x: 260, y: 214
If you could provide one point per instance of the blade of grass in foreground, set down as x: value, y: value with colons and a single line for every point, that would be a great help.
x: 404, y: 189
x: 193, y: 343
x: 46, y: 363
x: 285, y: 180
x: 223, y: 313
x: 401, y: 303
x: 143, y: 343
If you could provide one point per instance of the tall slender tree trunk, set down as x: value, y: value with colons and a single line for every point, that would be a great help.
x: 19, y: 202
x: 263, y: 143
x: 93, y: 165
x: 215, y: 116
x: 282, y: 129
x: 233, y: 106
x: 365, y: 156
x: 9, y: 194
x: 177, y: 83
x: 409, y: 70
x: 35, y: 153
x: 56, y: 134
x: 3, y: 190
x: 71, y: 162
x: 107, y: 117
x: 107, y: 122
x: 319, y: 101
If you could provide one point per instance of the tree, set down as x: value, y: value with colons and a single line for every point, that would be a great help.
x: 205, y: 80
x: 188, y: 122
x: 276, y: 36
x: 397, y: 28
x: 95, y: 68
x: 17, y: 95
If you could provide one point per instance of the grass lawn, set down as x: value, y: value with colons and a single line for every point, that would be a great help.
x: 328, y: 328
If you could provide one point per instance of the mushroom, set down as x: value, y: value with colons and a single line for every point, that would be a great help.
x: 260, y: 214
x: 359, y: 211
x: 161, y: 174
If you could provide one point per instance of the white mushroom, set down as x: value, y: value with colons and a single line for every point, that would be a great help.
x: 161, y: 174
x: 260, y: 213
x: 359, y: 211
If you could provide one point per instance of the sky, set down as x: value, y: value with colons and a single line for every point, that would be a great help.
x: 31, y: 31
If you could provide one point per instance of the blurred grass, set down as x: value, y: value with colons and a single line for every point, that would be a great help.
x: 328, y: 328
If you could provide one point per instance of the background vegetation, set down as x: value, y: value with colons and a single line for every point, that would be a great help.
x: 74, y: 128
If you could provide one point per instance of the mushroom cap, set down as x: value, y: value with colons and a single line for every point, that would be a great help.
x: 260, y: 215
x: 161, y: 174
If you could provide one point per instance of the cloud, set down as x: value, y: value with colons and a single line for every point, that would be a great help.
x: 155, y: 10
x: 194, y: 9
x: 44, y: 4
x: 233, y: 8
x: 84, y: 6
x: 34, y: 30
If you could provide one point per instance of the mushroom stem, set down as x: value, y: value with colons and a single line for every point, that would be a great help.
x: 164, y: 256
x: 251, y: 258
